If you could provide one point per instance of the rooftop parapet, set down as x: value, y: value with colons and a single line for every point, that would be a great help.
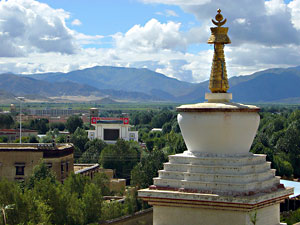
x: 48, y: 149
x: 34, y: 146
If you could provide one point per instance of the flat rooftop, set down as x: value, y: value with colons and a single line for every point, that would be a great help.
x: 49, y: 150
x: 35, y: 146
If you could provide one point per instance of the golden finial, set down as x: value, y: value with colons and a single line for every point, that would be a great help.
x: 218, y: 82
x: 219, y: 18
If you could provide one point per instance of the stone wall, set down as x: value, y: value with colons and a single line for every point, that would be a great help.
x: 144, y: 217
x: 115, y: 185
x: 8, y: 160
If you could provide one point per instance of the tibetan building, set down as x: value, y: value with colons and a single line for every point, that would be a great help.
x: 18, y: 160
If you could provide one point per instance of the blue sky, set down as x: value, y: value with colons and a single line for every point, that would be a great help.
x: 167, y: 36
x: 107, y: 17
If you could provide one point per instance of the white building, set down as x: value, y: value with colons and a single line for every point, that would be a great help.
x: 110, y: 129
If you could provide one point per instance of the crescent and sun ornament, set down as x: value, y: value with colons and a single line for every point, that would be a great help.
x: 219, y: 18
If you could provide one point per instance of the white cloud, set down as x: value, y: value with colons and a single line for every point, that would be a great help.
x: 274, y: 7
x: 177, y: 2
x: 266, y: 22
x: 34, y: 38
x: 159, y: 13
x: 167, y: 13
x: 294, y: 6
x: 76, y: 22
x: 152, y: 37
x: 84, y: 39
x: 175, y: 69
x: 28, y: 26
x: 171, y: 13
x: 240, y: 21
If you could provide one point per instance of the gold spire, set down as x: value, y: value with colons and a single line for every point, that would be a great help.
x: 218, y: 82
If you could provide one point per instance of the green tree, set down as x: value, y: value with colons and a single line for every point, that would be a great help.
x: 76, y: 183
x: 283, y: 167
x: 52, y: 195
x: 92, y: 202
x: 175, y: 127
x: 92, y: 152
x: 78, y: 201
x: 24, y: 140
x: 293, y: 217
x: 111, y: 210
x: 40, y: 172
x: 79, y: 139
x: 58, y: 125
x: 73, y: 123
x: 41, y: 125
x: 3, y: 210
x: 259, y: 148
x: 143, y: 173
x: 150, y: 144
x: 11, y: 195
x: 33, y: 139
x: 132, y: 203
x: 6, y: 121
x: 167, y: 127
x: 161, y: 118
x: 175, y: 142
x: 122, y: 157
x: 102, y: 182
x: 38, y: 212
x: 3, y: 139
x: 61, y: 138
x: 74, y: 210
x: 46, y: 139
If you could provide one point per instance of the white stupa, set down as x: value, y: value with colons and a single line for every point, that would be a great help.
x: 217, y: 181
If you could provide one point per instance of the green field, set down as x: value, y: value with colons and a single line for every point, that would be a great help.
x: 124, y: 107
x: 128, y: 107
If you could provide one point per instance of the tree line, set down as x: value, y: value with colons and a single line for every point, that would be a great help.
x: 44, y: 200
x: 278, y: 137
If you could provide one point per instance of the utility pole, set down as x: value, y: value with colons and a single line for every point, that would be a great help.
x: 21, y: 99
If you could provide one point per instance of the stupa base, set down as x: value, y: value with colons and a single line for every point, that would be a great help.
x: 177, y: 208
x: 216, y: 189
x: 164, y: 215
x: 222, y: 174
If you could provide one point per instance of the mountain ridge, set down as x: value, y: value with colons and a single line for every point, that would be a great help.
x: 133, y: 84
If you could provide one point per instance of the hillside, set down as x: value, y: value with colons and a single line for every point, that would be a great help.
x: 272, y: 85
x: 22, y: 85
x: 13, y: 85
x: 121, y: 78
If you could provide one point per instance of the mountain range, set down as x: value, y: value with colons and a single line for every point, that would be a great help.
x: 132, y: 84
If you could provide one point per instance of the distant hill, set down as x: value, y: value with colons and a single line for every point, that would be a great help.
x: 118, y: 83
x: 5, y: 97
x: 272, y: 85
x: 123, y: 79
x: 13, y: 85
x: 105, y: 100
x: 22, y: 85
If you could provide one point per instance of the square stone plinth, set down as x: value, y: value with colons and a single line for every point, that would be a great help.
x: 170, y: 215
x: 180, y: 208
x: 218, y: 97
